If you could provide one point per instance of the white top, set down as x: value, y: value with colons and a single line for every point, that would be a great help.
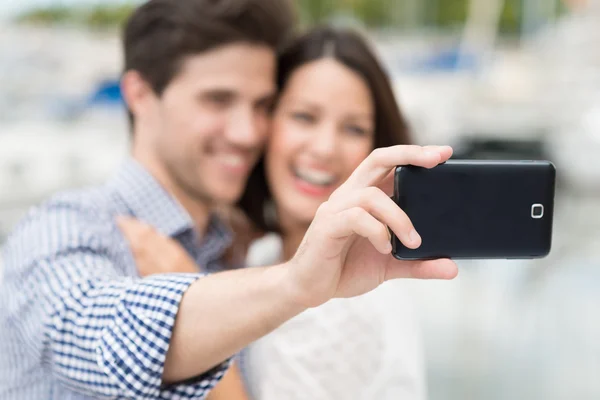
x: 368, y: 347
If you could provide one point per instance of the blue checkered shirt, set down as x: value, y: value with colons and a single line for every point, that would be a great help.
x: 76, y: 320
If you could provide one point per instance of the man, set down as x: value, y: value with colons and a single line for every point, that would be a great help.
x: 77, y: 320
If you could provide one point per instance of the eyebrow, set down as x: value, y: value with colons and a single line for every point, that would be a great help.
x: 266, y: 98
x: 217, y: 91
x: 361, y: 116
x: 311, y: 105
x: 301, y: 102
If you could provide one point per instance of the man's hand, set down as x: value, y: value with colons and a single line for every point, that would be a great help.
x: 346, y: 251
x: 153, y: 252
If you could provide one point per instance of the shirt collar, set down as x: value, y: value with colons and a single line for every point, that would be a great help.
x: 149, y: 202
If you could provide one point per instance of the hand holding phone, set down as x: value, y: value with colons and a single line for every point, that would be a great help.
x: 477, y: 209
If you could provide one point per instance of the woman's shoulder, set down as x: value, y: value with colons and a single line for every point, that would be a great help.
x: 265, y: 251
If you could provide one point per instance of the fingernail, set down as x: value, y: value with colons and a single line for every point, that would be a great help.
x: 414, y: 237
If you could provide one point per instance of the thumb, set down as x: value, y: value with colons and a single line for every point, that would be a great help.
x: 387, y: 184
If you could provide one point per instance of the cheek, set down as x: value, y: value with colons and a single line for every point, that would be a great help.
x: 263, y: 124
x: 354, y: 153
x: 284, y: 144
x: 192, y: 132
x: 187, y: 120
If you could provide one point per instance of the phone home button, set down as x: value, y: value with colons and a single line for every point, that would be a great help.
x: 537, y: 211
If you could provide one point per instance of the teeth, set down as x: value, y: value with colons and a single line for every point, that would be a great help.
x: 232, y: 160
x: 315, y: 177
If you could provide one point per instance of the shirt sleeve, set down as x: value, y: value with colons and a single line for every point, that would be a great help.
x: 103, y: 334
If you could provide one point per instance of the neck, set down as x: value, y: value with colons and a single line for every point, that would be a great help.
x: 199, y: 211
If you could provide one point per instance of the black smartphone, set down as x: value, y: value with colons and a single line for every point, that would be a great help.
x: 477, y: 209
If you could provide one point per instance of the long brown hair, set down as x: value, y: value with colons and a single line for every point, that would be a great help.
x: 352, y: 50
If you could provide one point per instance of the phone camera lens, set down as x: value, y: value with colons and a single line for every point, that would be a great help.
x: 537, y: 211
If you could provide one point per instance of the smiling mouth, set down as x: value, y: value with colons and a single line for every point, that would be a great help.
x: 234, y: 164
x: 314, y: 177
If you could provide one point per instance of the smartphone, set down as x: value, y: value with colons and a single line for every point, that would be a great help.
x: 477, y: 209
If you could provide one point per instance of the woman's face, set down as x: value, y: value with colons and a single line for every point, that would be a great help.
x: 323, y: 128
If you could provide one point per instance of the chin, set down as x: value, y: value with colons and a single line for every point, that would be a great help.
x: 227, y: 196
x: 302, y: 210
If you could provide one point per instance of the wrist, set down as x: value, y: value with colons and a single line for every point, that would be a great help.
x: 290, y: 298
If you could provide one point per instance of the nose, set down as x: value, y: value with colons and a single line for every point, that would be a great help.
x: 324, y: 141
x: 246, y: 128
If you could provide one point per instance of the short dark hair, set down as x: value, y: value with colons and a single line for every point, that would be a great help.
x: 160, y: 34
x: 352, y: 50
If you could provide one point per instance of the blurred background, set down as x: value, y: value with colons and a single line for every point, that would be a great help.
x: 494, y: 78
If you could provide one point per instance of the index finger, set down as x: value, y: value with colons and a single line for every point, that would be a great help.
x: 374, y: 169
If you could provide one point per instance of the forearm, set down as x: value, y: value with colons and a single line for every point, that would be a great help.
x: 222, y: 313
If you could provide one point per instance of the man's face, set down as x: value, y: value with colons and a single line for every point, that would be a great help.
x: 204, y: 134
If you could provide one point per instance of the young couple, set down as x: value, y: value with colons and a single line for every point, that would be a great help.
x: 206, y: 93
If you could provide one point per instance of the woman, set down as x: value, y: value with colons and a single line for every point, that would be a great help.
x: 335, y: 106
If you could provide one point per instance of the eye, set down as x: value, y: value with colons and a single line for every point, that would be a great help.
x: 303, y: 117
x: 356, y: 130
x: 219, y: 99
x: 264, y: 107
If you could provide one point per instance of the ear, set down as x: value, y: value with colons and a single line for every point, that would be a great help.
x: 137, y: 93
